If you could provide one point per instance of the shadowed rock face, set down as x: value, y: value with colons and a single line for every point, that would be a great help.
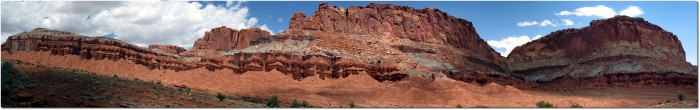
x: 425, y: 25
x: 619, y: 45
x: 99, y: 48
x: 223, y: 38
x: 167, y: 48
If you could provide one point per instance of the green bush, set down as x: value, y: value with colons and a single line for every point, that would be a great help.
x: 459, y: 106
x: 159, y: 83
x: 298, y: 104
x: 352, y: 104
x: 272, y: 102
x: 13, y: 79
x: 576, y: 106
x: 543, y: 104
x: 220, y: 96
x: 681, y: 95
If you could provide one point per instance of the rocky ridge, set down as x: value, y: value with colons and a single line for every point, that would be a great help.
x: 223, y: 38
x: 100, y: 48
x: 423, y: 25
x: 616, y: 50
x: 167, y: 48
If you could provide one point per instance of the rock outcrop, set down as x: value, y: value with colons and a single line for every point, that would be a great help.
x: 223, y: 38
x: 100, y: 48
x: 616, y: 50
x: 167, y: 48
x: 424, y: 25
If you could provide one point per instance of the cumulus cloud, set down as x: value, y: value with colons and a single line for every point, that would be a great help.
x: 602, y: 11
x: 544, y: 23
x: 509, y: 43
x: 140, y: 23
x: 527, y: 23
x: 568, y: 22
x: 547, y: 23
x: 632, y: 11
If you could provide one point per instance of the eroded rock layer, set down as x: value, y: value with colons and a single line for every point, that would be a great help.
x: 618, y: 46
x: 167, y: 48
x: 425, y: 25
x: 100, y: 48
x: 223, y: 38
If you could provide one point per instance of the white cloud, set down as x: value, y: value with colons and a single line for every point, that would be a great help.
x: 547, y: 23
x: 264, y: 27
x: 509, y: 43
x: 279, y: 19
x: 141, y: 23
x: 632, y: 11
x: 527, y: 23
x: 544, y: 23
x: 568, y: 22
x: 537, y: 37
x: 602, y: 11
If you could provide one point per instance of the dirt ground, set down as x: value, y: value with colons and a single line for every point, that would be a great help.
x: 56, y: 87
x: 362, y: 90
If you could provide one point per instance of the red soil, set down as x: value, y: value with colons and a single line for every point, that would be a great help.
x: 362, y: 89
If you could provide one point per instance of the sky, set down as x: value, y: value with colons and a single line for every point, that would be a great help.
x: 504, y: 25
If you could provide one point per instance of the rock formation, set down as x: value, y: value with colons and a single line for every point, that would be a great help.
x: 425, y: 25
x: 100, y: 48
x: 223, y: 38
x: 167, y: 48
x: 616, y: 50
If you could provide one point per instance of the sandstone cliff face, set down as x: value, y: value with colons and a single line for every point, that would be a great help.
x: 223, y: 38
x: 99, y: 48
x: 614, y: 48
x: 167, y: 48
x: 425, y: 25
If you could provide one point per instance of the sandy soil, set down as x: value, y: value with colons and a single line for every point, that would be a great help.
x: 362, y: 89
x: 41, y: 86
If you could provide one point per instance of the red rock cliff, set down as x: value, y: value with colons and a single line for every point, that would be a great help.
x: 426, y: 25
x: 223, y: 38
x: 167, y: 48
x: 616, y: 46
x: 60, y: 43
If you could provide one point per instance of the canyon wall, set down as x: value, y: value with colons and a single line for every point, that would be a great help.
x: 167, y: 48
x: 424, y: 25
x: 223, y: 38
x: 101, y: 48
x: 619, y: 49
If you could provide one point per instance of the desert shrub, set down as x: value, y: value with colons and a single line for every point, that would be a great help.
x: 159, y: 83
x: 245, y: 98
x: 272, y: 102
x: 13, y: 79
x: 459, y: 106
x: 220, y: 96
x: 543, y: 104
x: 115, y: 76
x: 681, y: 95
x: 300, y: 104
x: 352, y: 104
x: 482, y: 81
x: 576, y: 106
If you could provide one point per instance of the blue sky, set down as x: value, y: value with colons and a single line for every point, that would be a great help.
x: 498, y: 20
